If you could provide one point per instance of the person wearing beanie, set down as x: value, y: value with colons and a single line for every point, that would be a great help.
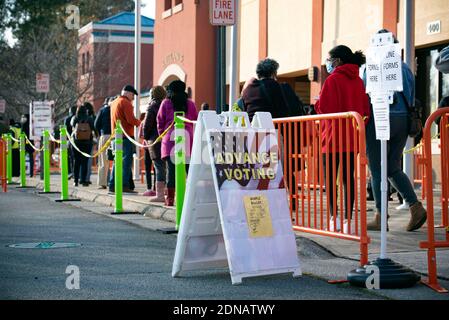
x: 176, y: 101
x: 343, y: 91
x: 153, y: 153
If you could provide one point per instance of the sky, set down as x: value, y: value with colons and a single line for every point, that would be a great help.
x: 150, y: 8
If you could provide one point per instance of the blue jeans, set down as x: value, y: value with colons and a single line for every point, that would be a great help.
x: 128, y: 151
x: 395, y: 147
x: 159, y: 167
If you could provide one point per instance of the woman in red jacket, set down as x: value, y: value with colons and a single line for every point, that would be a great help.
x: 343, y: 91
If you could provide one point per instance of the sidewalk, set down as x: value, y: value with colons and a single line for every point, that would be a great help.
x: 403, y: 247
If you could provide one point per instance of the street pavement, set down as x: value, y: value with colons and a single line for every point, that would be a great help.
x: 121, y: 260
x: 130, y: 259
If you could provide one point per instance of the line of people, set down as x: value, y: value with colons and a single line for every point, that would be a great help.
x: 344, y: 91
x: 157, y: 119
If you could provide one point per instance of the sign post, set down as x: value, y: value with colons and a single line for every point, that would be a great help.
x: 384, y: 77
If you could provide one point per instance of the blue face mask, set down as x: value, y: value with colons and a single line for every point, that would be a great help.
x: 329, y: 66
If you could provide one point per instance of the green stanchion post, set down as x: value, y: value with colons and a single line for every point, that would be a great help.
x: 46, y: 135
x: 8, y: 158
x: 118, y: 168
x: 64, y: 163
x: 180, y: 166
x: 23, y: 173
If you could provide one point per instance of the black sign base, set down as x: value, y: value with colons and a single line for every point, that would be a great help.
x: 124, y: 212
x: 392, y: 275
x: 168, y: 230
x: 67, y: 200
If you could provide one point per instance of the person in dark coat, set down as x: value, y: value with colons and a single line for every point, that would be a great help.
x: 67, y: 124
x: 150, y: 134
x: 264, y: 94
x: 14, y: 131
x: 83, y: 144
x: 103, y: 128
x: 25, y: 127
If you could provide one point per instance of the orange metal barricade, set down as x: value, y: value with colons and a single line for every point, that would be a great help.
x: 3, y: 175
x: 418, y: 169
x: 443, y: 240
x: 313, y: 146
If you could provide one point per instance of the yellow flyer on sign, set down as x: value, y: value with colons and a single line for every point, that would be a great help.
x: 258, y: 216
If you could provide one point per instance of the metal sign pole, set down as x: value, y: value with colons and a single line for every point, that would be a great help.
x: 409, y: 57
x: 137, y: 63
x: 384, y: 204
x: 384, y: 77
x: 234, y: 86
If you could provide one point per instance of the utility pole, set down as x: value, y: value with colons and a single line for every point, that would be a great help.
x: 137, y: 61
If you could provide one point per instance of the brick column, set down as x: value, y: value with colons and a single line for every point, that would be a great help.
x: 263, y: 29
x: 317, y: 40
x: 390, y: 15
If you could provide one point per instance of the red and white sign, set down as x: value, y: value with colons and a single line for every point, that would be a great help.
x: 42, y: 82
x: 2, y: 106
x: 222, y: 12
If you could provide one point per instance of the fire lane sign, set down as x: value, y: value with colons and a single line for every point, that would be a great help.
x: 42, y: 82
x: 222, y: 12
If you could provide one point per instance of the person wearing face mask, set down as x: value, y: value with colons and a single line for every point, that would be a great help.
x: 343, y: 91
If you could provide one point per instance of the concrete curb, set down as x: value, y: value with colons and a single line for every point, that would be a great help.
x: 151, y: 210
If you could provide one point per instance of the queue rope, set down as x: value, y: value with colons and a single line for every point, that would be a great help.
x: 33, y: 146
x: 52, y: 138
x: 100, y: 151
x: 419, y: 145
x: 145, y: 145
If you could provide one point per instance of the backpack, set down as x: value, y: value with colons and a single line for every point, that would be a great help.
x: 293, y: 102
x: 83, y: 131
x: 414, y: 117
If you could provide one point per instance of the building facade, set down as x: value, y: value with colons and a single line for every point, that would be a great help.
x: 298, y: 34
x: 106, y: 57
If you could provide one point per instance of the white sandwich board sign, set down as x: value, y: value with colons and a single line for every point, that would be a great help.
x: 41, y: 118
x: 235, y: 211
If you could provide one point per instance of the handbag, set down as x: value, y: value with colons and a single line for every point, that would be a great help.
x: 414, y: 119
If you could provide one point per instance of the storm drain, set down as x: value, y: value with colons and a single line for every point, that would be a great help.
x: 44, y: 245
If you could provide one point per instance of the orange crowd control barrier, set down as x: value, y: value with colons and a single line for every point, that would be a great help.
x: 3, y: 176
x: 443, y: 238
x: 418, y: 169
x: 324, y: 160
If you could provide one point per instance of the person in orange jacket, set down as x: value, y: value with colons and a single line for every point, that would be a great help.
x: 122, y: 109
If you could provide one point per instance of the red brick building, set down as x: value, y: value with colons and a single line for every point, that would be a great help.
x: 185, y: 48
x: 106, y: 57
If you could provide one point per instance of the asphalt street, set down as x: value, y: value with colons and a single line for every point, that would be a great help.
x: 120, y: 260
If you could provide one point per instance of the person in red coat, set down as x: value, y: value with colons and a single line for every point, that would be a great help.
x: 343, y: 91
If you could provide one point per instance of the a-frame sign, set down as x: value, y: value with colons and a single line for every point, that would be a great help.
x: 235, y: 210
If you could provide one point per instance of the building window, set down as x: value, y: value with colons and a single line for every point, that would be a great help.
x: 178, y: 6
x: 87, y: 62
x: 167, y: 5
x: 83, y: 64
x: 167, y: 9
